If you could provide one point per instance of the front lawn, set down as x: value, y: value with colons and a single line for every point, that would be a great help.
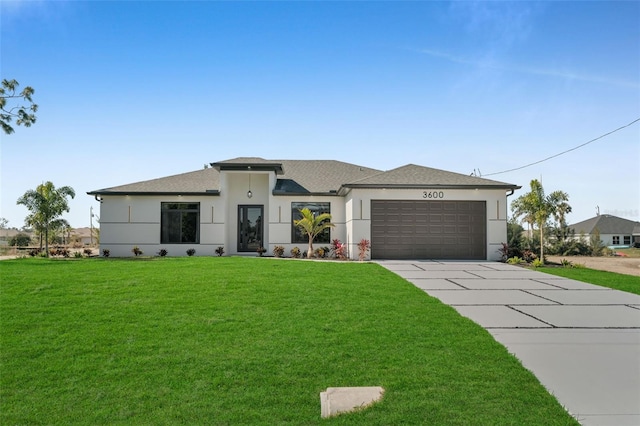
x: 230, y: 341
x: 628, y: 283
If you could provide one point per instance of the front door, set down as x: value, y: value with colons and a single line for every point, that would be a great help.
x: 250, y: 228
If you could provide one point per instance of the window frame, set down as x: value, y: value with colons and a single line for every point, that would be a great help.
x: 615, y: 240
x: 182, y: 210
x: 318, y: 207
x: 627, y: 240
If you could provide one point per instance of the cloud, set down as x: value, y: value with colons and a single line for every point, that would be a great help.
x: 555, y: 73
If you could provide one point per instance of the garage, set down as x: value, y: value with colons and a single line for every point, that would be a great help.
x: 428, y: 229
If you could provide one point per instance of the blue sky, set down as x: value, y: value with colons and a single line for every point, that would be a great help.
x: 130, y: 91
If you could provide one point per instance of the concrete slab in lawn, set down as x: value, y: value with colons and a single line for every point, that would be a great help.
x: 569, y: 284
x: 334, y: 401
x: 517, y: 273
x: 595, y: 374
x: 488, y: 297
x: 455, y: 267
x: 508, y: 284
x: 571, y: 316
x: 499, y: 317
x: 434, y: 284
x: 435, y: 274
x: 580, y: 297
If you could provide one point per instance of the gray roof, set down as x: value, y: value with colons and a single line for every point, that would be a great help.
x: 306, y: 177
x: 606, y: 224
x: 420, y: 176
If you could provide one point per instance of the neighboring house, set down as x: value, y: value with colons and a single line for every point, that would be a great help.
x: 82, y: 236
x: 614, y: 231
x: 242, y: 204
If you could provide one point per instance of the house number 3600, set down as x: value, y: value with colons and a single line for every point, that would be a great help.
x: 432, y: 194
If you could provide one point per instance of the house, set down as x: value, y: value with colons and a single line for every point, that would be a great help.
x: 614, y: 231
x: 242, y: 204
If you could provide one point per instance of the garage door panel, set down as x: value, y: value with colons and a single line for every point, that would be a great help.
x: 408, y: 229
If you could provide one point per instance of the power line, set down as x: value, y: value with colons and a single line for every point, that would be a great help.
x: 564, y: 152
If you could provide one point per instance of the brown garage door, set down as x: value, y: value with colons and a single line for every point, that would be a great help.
x: 428, y: 229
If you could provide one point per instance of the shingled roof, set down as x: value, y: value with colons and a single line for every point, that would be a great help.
x: 305, y: 177
x: 606, y: 224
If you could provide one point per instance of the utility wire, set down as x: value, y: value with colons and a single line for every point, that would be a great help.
x: 564, y: 152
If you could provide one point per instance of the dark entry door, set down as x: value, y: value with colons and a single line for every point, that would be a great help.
x: 250, y: 227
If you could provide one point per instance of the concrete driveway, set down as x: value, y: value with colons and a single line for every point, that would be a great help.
x: 581, y: 341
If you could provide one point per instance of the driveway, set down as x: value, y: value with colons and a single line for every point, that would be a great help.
x: 582, y: 341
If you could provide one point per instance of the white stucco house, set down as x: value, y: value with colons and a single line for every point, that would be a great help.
x: 614, y: 231
x: 241, y: 204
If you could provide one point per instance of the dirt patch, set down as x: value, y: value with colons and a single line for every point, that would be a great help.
x: 621, y: 265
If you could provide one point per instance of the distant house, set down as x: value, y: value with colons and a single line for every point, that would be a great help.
x: 614, y: 231
x: 243, y: 204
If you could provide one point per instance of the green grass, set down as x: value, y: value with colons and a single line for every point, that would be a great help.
x: 230, y: 341
x: 628, y: 283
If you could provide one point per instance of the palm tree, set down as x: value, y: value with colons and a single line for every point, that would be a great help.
x: 536, y: 207
x: 312, y: 225
x: 46, y: 205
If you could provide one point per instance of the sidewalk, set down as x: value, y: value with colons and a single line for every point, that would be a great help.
x: 582, y: 341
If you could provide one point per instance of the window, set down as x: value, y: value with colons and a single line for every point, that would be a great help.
x: 616, y: 239
x: 297, y: 235
x: 180, y: 223
x: 627, y: 240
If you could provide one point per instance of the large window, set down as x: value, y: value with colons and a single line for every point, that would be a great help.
x: 180, y: 223
x: 627, y: 240
x: 297, y: 235
x: 616, y: 239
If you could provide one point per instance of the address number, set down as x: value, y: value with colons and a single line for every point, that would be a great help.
x: 432, y: 194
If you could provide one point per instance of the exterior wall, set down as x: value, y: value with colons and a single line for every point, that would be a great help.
x: 358, y: 204
x: 281, y: 222
x: 127, y: 221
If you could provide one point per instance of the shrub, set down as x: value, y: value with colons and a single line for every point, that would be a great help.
x: 339, y: 250
x: 88, y: 251
x: 53, y: 252
x: 261, y: 250
x: 106, y: 252
x: 566, y: 263
x: 191, y: 252
x: 77, y: 254
x: 295, y: 253
x: 163, y: 252
x: 515, y: 260
x: 319, y: 252
x: 136, y: 250
x: 220, y: 251
x: 20, y: 240
x: 529, y: 256
x: 537, y: 263
x: 34, y: 252
x: 363, y: 248
x: 278, y: 251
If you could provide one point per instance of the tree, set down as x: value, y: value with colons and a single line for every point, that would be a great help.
x: 24, y: 114
x: 536, y: 208
x: 3, y: 223
x: 313, y: 225
x: 46, y: 205
x: 20, y: 240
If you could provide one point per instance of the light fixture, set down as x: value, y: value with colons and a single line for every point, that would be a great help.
x: 249, y: 193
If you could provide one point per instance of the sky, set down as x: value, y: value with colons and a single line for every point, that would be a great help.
x: 131, y: 91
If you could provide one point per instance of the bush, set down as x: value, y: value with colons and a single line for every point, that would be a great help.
x: 278, y: 251
x: 363, y: 248
x: 261, y: 250
x: 220, y: 251
x: 88, y: 251
x: 77, y: 255
x: 537, y: 263
x: 191, y: 252
x: 319, y: 252
x: 514, y: 260
x: 163, y: 253
x: 136, y: 250
x: 106, y: 252
x: 339, y: 250
x: 20, y: 240
x: 295, y: 253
